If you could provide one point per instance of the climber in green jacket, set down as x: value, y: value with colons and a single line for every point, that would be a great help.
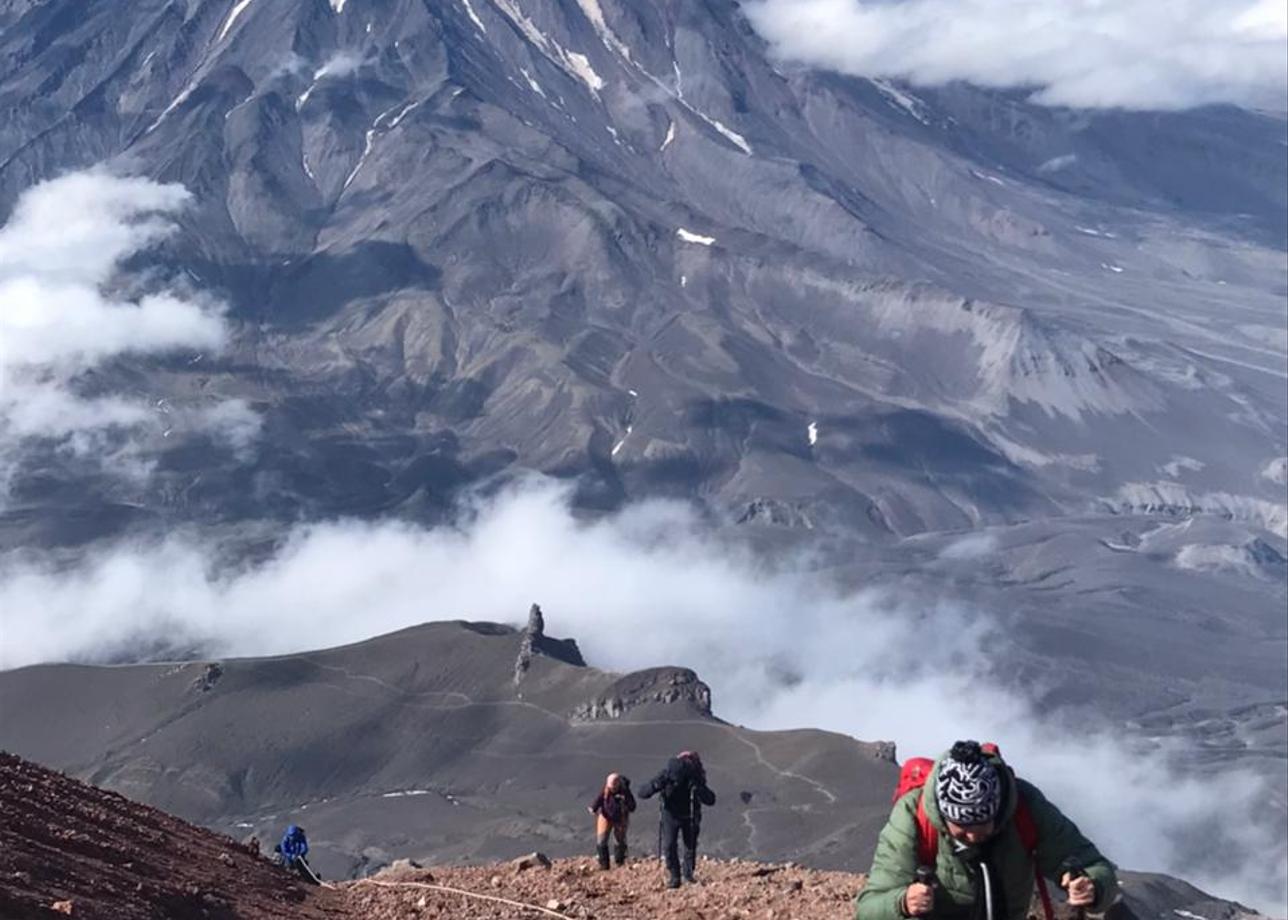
x: 990, y: 834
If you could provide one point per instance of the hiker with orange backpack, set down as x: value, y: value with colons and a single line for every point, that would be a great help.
x: 612, y: 810
x: 968, y: 839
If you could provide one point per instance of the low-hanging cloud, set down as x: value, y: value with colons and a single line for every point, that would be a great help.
x: 66, y: 310
x: 780, y: 647
x: 1134, y: 54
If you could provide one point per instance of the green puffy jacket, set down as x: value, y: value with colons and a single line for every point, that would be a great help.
x: 895, y: 863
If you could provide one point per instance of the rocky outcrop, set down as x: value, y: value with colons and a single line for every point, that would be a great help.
x: 533, y: 641
x: 654, y: 687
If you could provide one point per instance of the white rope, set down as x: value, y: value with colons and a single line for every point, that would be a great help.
x: 468, y: 894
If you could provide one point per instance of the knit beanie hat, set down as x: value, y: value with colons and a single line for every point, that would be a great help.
x: 968, y: 789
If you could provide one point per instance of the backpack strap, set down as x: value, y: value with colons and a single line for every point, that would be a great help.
x: 1027, y: 828
x: 927, y: 834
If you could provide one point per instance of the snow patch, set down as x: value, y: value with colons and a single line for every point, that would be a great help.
x: 402, y: 793
x: 811, y: 432
x: 174, y: 104
x: 690, y: 237
x: 532, y: 84
x: 581, y: 67
x: 238, y: 8
x: 670, y: 136
x: 474, y: 17
x: 595, y: 13
x: 575, y: 63
x: 633, y: 392
x: 397, y: 119
x: 1105, y: 234
x: 1109, y: 266
x: 684, y: 281
x: 1178, y: 464
x: 308, y: 170
x: 366, y: 149
x: 733, y: 136
x: 1055, y: 164
x: 1174, y: 499
x: 1022, y: 455
x: 986, y: 177
x: 338, y: 5
x: 619, y: 444
x: 897, y: 97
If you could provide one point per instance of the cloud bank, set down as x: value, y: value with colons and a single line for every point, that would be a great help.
x: 66, y: 310
x: 1133, y: 54
x: 780, y: 647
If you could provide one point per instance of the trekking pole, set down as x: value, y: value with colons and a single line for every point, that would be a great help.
x: 1072, y: 868
x: 925, y: 875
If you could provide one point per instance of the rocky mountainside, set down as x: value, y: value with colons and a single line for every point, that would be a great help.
x: 431, y: 744
x: 617, y: 242
x: 954, y: 344
x: 71, y: 850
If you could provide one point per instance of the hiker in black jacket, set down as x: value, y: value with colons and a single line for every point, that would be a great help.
x: 684, y: 790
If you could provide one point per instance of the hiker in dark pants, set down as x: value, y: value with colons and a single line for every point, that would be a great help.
x: 612, y: 810
x: 968, y: 838
x: 684, y: 790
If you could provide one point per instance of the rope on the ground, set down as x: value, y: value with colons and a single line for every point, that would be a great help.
x: 469, y: 894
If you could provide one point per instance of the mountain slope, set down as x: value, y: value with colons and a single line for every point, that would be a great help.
x: 103, y: 857
x: 614, y: 242
x: 421, y: 744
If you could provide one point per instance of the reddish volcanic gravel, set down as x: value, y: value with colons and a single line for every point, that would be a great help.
x: 69, y: 849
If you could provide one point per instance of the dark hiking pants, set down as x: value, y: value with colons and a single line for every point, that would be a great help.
x: 673, y: 830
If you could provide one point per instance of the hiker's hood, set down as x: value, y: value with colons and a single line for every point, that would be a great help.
x: 1010, y: 792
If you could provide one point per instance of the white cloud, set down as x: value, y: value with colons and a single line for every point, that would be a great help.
x: 971, y: 546
x: 341, y: 64
x: 1135, y: 54
x: 780, y: 646
x: 65, y: 310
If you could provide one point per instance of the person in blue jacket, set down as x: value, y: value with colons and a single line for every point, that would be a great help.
x: 293, y: 851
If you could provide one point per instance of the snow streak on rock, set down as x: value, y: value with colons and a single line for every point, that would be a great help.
x: 238, y: 8
x: 474, y: 17
x: 902, y: 100
x: 690, y: 237
x: 580, y: 65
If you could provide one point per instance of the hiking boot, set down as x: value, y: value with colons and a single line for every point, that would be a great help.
x: 602, y: 852
x: 619, y: 854
x: 690, y: 858
x: 673, y: 881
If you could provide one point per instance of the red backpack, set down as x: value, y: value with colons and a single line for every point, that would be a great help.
x: 914, y: 774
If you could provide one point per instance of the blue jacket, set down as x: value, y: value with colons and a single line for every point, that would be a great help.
x: 294, y: 844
